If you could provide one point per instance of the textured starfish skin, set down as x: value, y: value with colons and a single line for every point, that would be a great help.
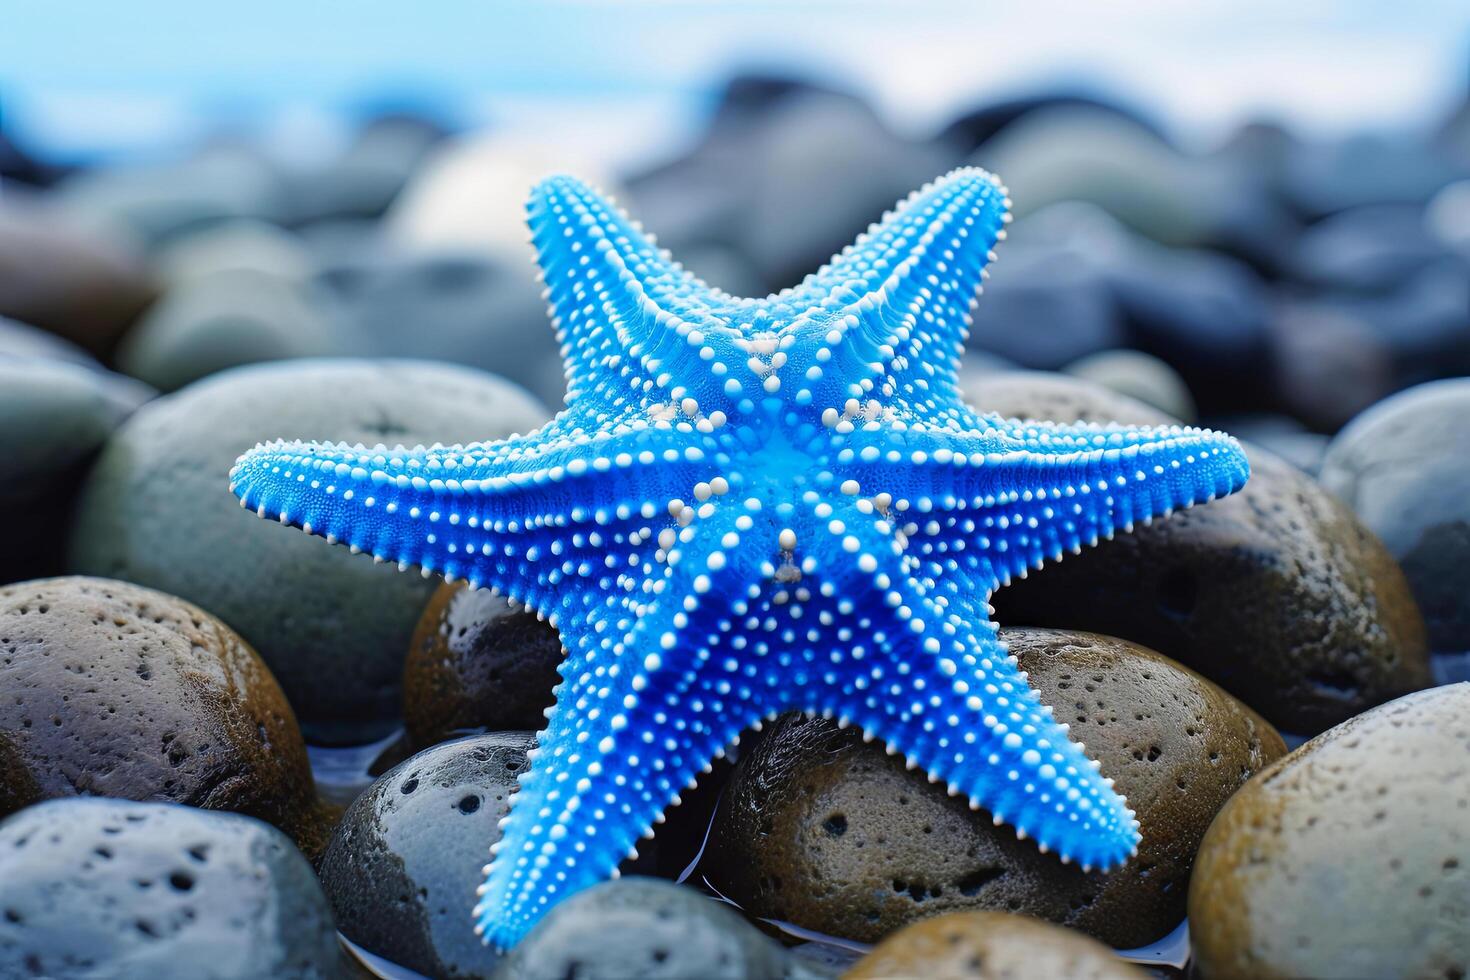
x: 753, y: 506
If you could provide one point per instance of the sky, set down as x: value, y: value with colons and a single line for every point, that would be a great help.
x: 81, y: 77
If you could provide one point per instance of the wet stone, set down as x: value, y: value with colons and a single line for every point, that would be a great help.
x: 333, y: 626
x: 476, y: 663
x: 990, y: 946
x: 84, y: 288
x: 113, y: 888
x: 1348, y: 858
x: 644, y: 927
x: 1403, y: 467
x: 1277, y: 593
x: 403, y: 866
x: 823, y: 830
x: 111, y: 689
x: 54, y: 417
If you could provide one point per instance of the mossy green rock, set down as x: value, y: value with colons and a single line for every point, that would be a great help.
x: 333, y: 627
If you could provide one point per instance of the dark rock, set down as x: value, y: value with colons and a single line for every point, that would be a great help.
x: 972, y: 129
x: 1277, y: 593
x: 404, y: 864
x: 787, y: 184
x: 226, y: 319
x: 823, y: 830
x: 333, y: 627
x: 1325, y: 177
x: 1402, y: 468
x: 17, y: 786
x: 1137, y: 375
x: 1424, y: 325
x: 643, y: 927
x: 16, y: 164
x: 1046, y: 306
x: 116, y: 690
x: 990, y: 946
x: 1204, y: 314
x: 1327, y: 364
x: 54, y: 416
x: 85, y: 289
x: 1349, y: 857
x: 477, y: 663
x: 364, y: 180
x: 452, y: 306
x: 115, y: 888
x: 1367, y: 249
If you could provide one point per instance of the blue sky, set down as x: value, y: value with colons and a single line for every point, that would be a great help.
x: 101, y: 76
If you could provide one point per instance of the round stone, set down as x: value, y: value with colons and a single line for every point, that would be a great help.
x: 477, y: 663
x: 990, y: 946
x: 1138, y: 375
x: 333, y: 627
x: 644, y: 927
x: 402, y: 869
x: 824, y: 830
x: 465, y: 307
x: 54, y: 416
x: 23, y: 340
x: 1277, y: 592
x: 115, y: 690
x: 1327, y: 363
x: 87, y: 289
x: 225, y: 319
x: 1349, y: 857
x: 235, y: 246
x: 112, y: 888
x: 1402, y: 467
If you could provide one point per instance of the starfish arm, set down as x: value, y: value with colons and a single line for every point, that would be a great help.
x: 1018, y: 494
x: 938, y: 687
x: 629, y: 319
x: 648, y: 700
x: 527, y: 516
x: 889, y: 318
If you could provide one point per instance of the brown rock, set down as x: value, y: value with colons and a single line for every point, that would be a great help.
x: 990, y: 946
x: 81, y: 288
x: 18, y: 788
x: 823, y: 830
x: 1348, y: 858
x: 475, y: 663
x: 1277, y: 593
x: 115, y: 690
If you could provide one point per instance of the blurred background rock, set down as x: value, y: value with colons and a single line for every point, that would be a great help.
x: 1237, y: 215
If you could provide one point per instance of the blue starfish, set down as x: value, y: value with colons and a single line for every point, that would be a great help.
x: 754, y: 506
